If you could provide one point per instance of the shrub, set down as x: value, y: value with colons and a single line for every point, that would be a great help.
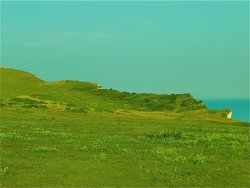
x: 26, y: 102
x: 2, y: 103
x: 72, y: 108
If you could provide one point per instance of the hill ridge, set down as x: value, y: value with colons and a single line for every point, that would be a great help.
x: 23, y: 89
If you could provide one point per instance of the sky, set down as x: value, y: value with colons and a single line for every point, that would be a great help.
x: 193, y: 47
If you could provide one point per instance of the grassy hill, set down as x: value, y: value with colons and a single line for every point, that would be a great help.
x: 24, y: 89
x: 72, y: 133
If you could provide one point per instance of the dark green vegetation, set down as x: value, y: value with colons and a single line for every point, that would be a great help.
x: 72, y: 133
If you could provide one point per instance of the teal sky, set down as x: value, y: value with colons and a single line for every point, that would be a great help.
x: 193, y: 47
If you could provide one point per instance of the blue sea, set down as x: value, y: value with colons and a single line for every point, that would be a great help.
x: 239, y: 107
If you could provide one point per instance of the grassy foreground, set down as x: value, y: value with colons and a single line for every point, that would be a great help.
x: 67, y: 134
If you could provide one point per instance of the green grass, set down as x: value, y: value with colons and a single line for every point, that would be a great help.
x: 22, y: 88
x: 94, y: 150
x: 109, y: 139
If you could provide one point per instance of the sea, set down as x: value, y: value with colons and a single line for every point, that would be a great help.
x: 239, y: 107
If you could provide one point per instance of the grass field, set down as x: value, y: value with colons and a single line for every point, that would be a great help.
x: 68, y: 134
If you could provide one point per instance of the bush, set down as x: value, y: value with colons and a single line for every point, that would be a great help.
x: 72, y: 108
x: 26, y: 102
x: 2, y: 103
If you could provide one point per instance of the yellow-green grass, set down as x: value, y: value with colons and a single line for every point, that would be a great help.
x: 68, y: 134
x: 44, y: 148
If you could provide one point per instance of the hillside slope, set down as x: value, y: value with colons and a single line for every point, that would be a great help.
x: 16, y: 84
x: 75, y: 134
x: 22, y: 89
